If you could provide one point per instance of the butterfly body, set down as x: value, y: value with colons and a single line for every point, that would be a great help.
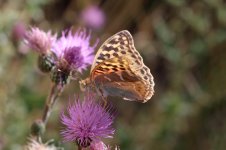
x: 118, y: 70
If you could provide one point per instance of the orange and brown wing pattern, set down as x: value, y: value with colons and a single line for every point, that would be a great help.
x: 118, y: 69
x: 115, y: 77
x: 119, y: 45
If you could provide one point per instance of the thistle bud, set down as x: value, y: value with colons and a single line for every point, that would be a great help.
x: 60, y: 76
x: 37, y: 128
x: 46, y: 62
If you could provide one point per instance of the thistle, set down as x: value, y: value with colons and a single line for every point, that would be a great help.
x: 87, y: 122
x: 35, y: 145
x: 74, y: 54
x: 41, y: 42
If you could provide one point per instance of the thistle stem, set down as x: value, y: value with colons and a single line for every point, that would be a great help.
x: 55, y: 92
x: 79, y: 147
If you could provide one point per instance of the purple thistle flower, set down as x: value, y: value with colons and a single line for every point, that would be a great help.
x: 75, y: 49
x: 87, y: 122
x: 93, y: 17
x: 39, y: 40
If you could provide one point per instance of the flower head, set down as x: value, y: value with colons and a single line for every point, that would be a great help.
x: 34, y: 145
x: 87, y: 122
x: 93, y: 17
x: 74, y: 51
x: 39, y: 40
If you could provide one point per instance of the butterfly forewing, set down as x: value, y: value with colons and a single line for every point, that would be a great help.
x: 119, y: 45
x: 118, y: 69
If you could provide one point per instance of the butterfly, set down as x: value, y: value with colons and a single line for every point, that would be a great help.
x: 118, y: 70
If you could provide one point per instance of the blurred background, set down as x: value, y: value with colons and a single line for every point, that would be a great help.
x: 183, y: 42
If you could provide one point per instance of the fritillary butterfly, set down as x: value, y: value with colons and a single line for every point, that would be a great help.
x: 118, y: 70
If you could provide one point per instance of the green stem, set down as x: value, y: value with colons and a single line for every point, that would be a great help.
x: 55, y: 92
x: 79, y: 147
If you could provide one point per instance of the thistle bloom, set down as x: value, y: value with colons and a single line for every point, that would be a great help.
x: 34, y: 145
x: 42, y: 43
x: 93, y: 17
x: 87, y: 122
x: 39, y: 40
x: 73, y: 50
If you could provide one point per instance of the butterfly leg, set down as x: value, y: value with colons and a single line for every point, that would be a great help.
x: 105, y: 101
x: 104, y: 98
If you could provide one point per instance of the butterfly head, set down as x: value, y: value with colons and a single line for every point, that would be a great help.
x: 84, y: 84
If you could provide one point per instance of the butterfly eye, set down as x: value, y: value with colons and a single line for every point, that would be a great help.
x: 84, y: 84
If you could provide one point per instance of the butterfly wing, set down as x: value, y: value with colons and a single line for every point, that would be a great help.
x: 118, y: 68
x: 119, y: 45
x: 115, y: 77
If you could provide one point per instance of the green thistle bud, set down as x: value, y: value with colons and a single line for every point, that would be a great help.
x: 46, y: 62
x: 37, y: 128
x: 59, y: 76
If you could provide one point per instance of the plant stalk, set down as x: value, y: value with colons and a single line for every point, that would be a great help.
x: 55, y: 92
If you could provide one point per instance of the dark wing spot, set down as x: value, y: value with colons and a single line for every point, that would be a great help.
x: 120, y: 39
x: 114, y: 66
x: 122, y: 68
x: 138, y: 62
x: 115, y: 54
x: 145, y: 68
x: 145, y: 77
x: 134, y: 56
x: 122, y: 42
x: 107, y: 64
x: 142, y: 71
x: 100, y: 68
x: 113, y: 42
x: 101, y: 57
x: 123, y: 52
x: 116, y: 49
x: 108, y: 55
x: 114, y: 69
x: 105, y: 48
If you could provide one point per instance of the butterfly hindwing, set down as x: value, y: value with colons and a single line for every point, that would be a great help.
x: 118, y: 69
x: 115, y: 77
